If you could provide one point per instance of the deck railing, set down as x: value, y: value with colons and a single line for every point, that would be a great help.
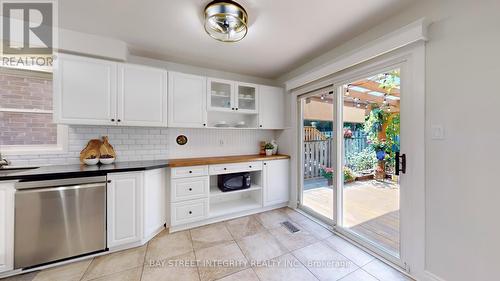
x: 318, y: 153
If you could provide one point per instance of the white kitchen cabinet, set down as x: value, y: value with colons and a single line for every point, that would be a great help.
x: 187, y: 100
x: 272, y: 108
x: 276, y: 181
x: 142, y: 96
x: 232, y: 96
x: 154, y: 202
x: 124, y: 206
x: 7, y: 191
x: 85, y: 90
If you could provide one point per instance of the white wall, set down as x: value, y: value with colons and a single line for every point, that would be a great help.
x: 462, y: 195
x: 132, y: 144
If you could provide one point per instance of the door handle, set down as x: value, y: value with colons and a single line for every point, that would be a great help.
x: 400, y: 160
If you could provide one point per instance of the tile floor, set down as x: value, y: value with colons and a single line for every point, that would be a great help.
x: 251, y: 248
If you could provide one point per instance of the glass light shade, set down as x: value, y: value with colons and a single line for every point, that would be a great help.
x: 226, y: 21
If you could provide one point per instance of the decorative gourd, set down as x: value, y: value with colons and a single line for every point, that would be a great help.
x: 91, y: 151
x: 107, y: 149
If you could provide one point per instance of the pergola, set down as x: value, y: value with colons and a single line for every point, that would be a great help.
x: 359, y: 98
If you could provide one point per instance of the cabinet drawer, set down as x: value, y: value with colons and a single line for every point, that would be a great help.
x: 189, y: 211
x: 189, y: 188
x: 235, y: 167
x: 192, y: 171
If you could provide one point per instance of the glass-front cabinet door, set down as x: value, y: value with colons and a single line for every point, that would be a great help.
x: 220, y: 95
x: 246, y: 97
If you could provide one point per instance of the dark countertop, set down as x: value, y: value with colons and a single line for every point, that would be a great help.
x: 67, y: 171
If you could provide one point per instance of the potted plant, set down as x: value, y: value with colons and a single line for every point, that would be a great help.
x: 349, y: 175
x: 269, y: 149
x: 327, y: 173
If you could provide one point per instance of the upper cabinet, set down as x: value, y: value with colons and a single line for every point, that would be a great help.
x: 272, y: 108
x: 85, y: 91
x: 99, y: 92
x: 142, y: 96
x: 186, y: 100
x: 231, y: 96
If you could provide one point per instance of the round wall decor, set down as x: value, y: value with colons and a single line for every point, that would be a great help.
x: 181, y: 140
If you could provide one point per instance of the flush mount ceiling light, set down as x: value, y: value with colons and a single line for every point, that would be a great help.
x: 226, y: 20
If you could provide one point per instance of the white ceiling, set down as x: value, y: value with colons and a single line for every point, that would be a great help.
x: 283, y: 34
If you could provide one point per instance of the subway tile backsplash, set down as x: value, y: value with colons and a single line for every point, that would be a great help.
x: 133, y: 144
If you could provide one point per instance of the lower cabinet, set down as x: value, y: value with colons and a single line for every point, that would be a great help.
x: 6, y: 226
x: 276, y: 181
x: 124, y: 204
x: 154, y: 202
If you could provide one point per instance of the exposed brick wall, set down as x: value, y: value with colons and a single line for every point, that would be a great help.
x: 26, y: 90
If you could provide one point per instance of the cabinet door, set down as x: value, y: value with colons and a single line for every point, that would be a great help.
x: 220, y: 95
x: 186, y: 100
x: 272, y: 107
x: 154, y: 202
x: 85, y: 91
x: 142, y: 96
x: 6, y: 226
x: 247, y: 98
x: 124, y: 206
x: 276, y: 182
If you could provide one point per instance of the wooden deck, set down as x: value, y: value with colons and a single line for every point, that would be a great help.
x: 371, y: 209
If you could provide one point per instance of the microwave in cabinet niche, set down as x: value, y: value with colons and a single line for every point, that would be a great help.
x: 231, y: 182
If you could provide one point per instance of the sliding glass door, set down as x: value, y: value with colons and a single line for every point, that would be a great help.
x: 317, y: 127
x: 349, y: 143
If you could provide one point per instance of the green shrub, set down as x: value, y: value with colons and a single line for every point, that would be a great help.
x: 363, y: 160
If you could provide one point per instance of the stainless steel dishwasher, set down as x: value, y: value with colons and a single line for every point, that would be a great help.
x: 59, y: 219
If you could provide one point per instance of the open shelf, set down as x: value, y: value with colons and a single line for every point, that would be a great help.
x: 215, y: 191
x: 233, y: 206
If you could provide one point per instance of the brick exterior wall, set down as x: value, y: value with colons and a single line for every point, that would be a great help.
x: 26, y: 90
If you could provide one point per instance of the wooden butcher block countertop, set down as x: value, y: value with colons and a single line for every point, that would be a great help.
x: 222, y: 160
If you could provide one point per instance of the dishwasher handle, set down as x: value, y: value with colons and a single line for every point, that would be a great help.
x: 59, y: 182
x: 63, y: 188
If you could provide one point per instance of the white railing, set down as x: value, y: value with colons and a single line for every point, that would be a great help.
x: 317, y: 154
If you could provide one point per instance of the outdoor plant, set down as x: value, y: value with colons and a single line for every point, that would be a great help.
x: 326, y: 172
x: 349, y: 175
x: 363, y: 160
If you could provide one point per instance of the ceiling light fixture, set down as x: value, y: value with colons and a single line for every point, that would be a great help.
x: 226, y: 21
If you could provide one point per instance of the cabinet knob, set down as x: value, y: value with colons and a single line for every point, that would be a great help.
x: 204, y: 125
x: 260, y: 126
x: 190, y: 172
x: 249, y: 166
x: 236, y: 108
x: 232, y: 108
x: 190, y: 189
x: 112, y: 120
x: 109, y: 181
x: 225, y: 169
x: 119, y: 120
x: 265, y: 164
x: 190, y: 212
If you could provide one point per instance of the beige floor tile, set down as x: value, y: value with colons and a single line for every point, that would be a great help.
x: 133, y: 274
x: 359, y: 275
x: 324, y: 262
x: 220, y: 261
x: 244, y: 226
x: 315, y: 229
x: 285, y: 267
x: 210, y: 235
x: 173, y: 269
x: 115, y: 262
x: 22, y: 277
x: 167, y: 245
x: 272, y: 219
x: 293, y: 241
x: 244, y: 275
x: 294, y: 215
x: 68, y: 272
x: 384, y: 272
x: 261, y: 246
x: 355, y: 254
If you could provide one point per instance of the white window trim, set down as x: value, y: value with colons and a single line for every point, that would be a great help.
x: 60, y: 147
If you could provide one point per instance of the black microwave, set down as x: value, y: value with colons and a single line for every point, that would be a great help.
x: 230, y: 182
